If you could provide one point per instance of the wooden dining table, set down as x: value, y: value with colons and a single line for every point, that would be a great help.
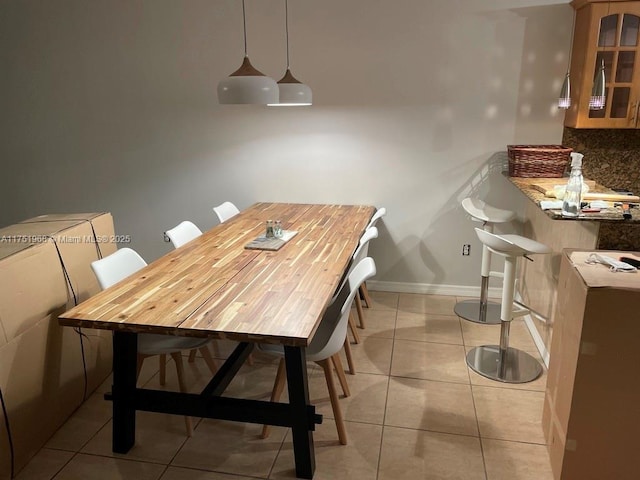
x: 215, y: 287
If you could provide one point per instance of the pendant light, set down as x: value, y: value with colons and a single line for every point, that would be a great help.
x: 597, y: 100
x: 292, y: 91
x: 598, y: 92
x: 247, y: 85
x: 564, y: 101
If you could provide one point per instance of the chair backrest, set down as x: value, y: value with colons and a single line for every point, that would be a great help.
x: 363, y: 246
x: 332, y: 331
x: 381, y: 212
x: 183, y: 233
x: 359, y: 254
x: 117, y: 266
x: 225, y: 211
x: 483, y: 212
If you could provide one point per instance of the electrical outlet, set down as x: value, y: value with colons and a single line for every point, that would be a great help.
x: 466, y: 249
x: 166, y: 237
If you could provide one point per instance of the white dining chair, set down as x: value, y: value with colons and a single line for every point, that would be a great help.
x: 358, y: 255
x: 364, y: 291
x: 380, y: 212
x: 225, y: 211
x: 183, y: 233
x: 121, y: 264
x: 326, y: 344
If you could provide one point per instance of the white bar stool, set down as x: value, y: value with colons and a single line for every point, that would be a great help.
x: 501, y: 362
x: 481, y: 310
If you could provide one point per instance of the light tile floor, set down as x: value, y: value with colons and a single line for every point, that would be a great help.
x: 416, y: 411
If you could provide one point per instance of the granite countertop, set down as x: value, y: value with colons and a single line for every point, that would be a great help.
x: 606, y: 215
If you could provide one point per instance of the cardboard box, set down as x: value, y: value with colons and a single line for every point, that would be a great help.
x: 32, y: 284
x: 81, y: 238
x: 591, y: 413
x: 44, y: 270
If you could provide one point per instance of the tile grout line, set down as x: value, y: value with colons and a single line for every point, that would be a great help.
x: 386, y: 400
x: 275, y: 459
x: 62, y: 467
x: 473, y: 400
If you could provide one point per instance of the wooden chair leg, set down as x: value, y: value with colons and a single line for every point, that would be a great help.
x: 278, y: 387
x: 360, y: 311
x: 192, y: 356
x: 337, y: 363
x: 347, y: 352
x: 163, y: 369
x: 206, y: 354
x: 333, y: 395
x: 352, y: 327
x: 365, y: 293
x: 177, y: 358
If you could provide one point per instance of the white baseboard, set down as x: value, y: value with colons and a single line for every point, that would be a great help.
x: 537, y: 339
x: 458, y: 291
x: 431, y: 289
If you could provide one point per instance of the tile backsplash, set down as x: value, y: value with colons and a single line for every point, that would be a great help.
x: 611, y: 158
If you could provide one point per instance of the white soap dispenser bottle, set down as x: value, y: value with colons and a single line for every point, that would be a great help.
x: 573, y: 192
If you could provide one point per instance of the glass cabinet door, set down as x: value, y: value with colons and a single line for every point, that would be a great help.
x: 617, y: 47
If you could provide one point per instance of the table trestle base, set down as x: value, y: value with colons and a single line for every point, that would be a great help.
x: 298, y: 414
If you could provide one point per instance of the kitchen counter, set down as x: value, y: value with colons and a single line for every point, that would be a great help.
x: 538, y: 280
x: 613, y: 214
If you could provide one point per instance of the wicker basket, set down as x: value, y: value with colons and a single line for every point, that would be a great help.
x: 548, y: 161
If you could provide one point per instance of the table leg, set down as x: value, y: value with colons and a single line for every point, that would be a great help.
x: 125, y: 351
x: 301, y: 430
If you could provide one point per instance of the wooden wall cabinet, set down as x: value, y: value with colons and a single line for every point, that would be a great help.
x: 609, y: 31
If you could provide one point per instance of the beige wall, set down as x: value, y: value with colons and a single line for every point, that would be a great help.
x: 110, y: 105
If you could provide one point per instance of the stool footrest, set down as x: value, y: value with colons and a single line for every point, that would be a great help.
x: 520, y: 312
x: 496, y: 274
x: 471, y: 310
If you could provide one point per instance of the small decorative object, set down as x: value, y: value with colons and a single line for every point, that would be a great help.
x: 573, y: 192
x: 277, y: 229
x: 269, y: 233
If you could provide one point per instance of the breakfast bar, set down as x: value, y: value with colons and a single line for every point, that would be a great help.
x: 607, y: 229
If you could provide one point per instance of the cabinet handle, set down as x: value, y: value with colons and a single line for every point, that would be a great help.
x: 634, y: 118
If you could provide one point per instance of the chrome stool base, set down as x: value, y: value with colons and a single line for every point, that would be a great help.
x: 516, y: 367
x: 470, y: 310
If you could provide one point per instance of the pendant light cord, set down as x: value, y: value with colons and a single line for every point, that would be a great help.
x: 573, y: 29
x: 286, y: 27
x: 244, y: 23
x: 615, y: 33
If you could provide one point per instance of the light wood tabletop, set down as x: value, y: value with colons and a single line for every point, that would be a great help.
x: 214, y: 287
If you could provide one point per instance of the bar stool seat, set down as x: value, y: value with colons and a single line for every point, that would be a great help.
x: 481, y: 310
x: 501, y: 362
